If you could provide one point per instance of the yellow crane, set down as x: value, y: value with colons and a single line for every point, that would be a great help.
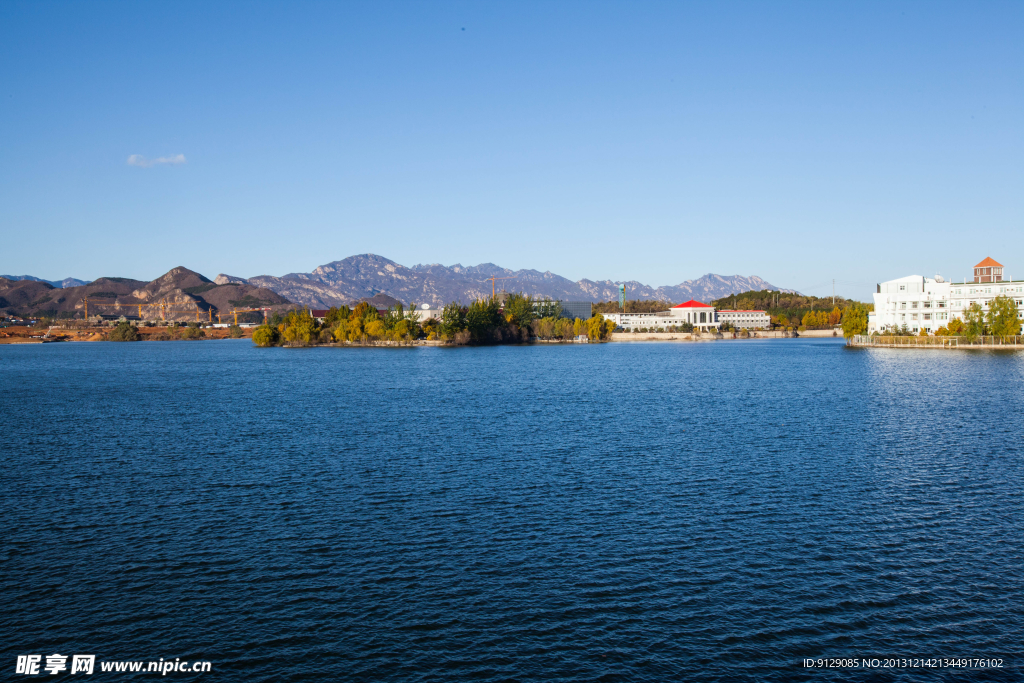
x: 162, y: 305
x: 98, y: 302
x: 492, y: 279
x: 236, y: 311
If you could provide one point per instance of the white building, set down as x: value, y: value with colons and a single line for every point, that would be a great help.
x: 930, y: 303
x: 425, y: 312
x: 745, y: 319
x: 700, y: 315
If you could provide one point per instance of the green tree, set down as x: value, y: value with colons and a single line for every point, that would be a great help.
x: 413, y: 327
x: 974, y: 322
x: 546, y: 308
x: 520, y: 310
x: 392, y: 318
x: 265, y: 335
x: 1002, y: 317
x: 125, y: 332
x: 453, y: 320
x: 855, y: 321
x: 337, y: 314
x: 236, y: 332
x: 483, y: 317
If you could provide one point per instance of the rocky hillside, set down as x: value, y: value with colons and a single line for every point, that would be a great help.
x: 357, y: 277
x: 181, y: 289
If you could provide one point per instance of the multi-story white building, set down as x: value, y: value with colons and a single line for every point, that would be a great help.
x: 924, y: 303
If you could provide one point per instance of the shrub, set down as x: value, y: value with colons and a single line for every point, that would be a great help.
x: 236, y: 332
x: 192, y: 333
x: 265, y: 335
x: 124, y: 332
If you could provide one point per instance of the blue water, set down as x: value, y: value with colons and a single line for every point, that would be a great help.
x: 617, y: 512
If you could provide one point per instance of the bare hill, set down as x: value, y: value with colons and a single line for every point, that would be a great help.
x: 181, y: 289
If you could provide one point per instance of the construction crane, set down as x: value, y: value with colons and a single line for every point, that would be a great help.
x: 243, y: 310
x: 162, y: 305
x: 96, y: 302
x: 492, y: 279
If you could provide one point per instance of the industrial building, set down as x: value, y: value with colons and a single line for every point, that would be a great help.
x: 576, y: 309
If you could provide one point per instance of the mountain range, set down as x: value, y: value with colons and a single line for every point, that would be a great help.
x: 59, y: 284
x: 358, y: 277
x: 181, y: 290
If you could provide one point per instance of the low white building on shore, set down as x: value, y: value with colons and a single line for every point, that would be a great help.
x: 696, y: 313
x: 925, y: 303
x: 745, y: 320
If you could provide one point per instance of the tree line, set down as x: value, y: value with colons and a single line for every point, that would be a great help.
x: 518, y: 319
x: 632, y: 306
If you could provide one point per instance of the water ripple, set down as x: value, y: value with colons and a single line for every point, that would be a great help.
x: 713, y: 512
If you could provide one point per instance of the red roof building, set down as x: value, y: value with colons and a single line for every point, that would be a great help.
x: 693, y: 303
x: 695, y: 312
x: 988, y: 270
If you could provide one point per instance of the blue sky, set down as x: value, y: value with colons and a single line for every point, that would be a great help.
x: 628, y: 141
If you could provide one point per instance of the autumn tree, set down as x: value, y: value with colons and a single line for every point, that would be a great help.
x: 974, y: 322
x: 430, y: 327
x: 564, y: 328
x: 265, y: 335
x: 300, y: 327
x: 1002, y: 317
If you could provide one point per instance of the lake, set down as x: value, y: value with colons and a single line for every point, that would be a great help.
x: 613, y: 512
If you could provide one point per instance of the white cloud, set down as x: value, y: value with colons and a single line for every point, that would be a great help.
x: 139, y: 160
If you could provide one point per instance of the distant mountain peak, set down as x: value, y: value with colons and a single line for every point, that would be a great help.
x: 59, y: 284
x: 364, y: 275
